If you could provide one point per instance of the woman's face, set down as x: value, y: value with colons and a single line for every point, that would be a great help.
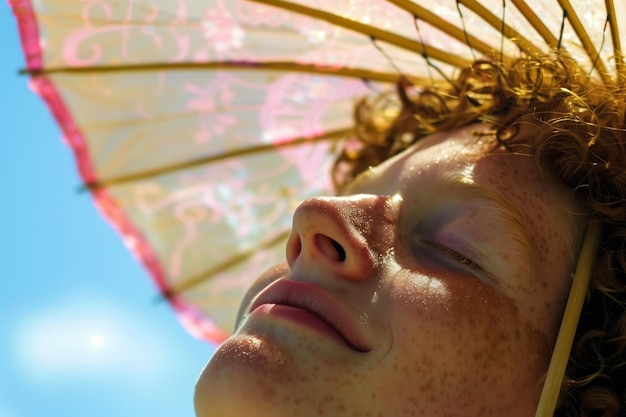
x: 434, y: 288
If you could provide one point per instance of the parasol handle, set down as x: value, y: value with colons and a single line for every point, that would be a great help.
x: 573, y: 308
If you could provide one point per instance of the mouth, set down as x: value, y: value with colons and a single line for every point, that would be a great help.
x: 311, y: 306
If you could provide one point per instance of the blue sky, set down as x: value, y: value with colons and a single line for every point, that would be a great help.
x: 80, y: 332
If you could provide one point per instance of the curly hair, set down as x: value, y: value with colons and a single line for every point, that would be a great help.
x: 579, y: 135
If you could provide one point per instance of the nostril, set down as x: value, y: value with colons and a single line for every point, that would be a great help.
x: 330, y: 248
x: 294, y: 248
x: 341, y: 253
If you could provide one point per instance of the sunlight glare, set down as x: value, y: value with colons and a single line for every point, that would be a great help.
x: 96, y: 341
x: 85, y: 339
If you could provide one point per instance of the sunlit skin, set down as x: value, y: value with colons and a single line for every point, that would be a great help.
x: 448, y: 264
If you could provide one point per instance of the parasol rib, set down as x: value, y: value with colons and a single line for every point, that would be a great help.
x: 584, y: 39
x: 567, y: 331
x: 230, y: 65
x: 443, y: 25
x: 536, y: 23
x: 541, y: 28
x: 329, y: 136
x: 524, y: 44
x: 617, y: 46
x: 376, y: 33
x: 242, y: 257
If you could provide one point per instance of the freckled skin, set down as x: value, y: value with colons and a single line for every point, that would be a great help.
x: 442, y: 342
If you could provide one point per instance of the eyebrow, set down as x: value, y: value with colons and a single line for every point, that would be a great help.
x: 456, y: 183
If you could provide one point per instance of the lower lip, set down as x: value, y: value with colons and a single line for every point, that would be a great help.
x: 303, y: 318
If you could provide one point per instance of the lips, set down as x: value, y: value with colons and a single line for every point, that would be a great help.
x: 311, y: 306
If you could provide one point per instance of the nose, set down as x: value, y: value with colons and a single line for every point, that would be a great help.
x: 346, y: 237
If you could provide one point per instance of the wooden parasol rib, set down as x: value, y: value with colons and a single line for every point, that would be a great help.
x: 567, y: 331
x: 583, y: 36
x: 524, y: 44
x: 536, y: 23
x: 227, y: 65
x: 371, y: 31
x: 443, y: 25
x: 191, y: 282
x: 137, y: 176
x: 617, y: 45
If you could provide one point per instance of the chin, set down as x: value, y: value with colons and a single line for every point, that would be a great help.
x: 247, y: 354
x: 252, y: 376
x: 240, y: 379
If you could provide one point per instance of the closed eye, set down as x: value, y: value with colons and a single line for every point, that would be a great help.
x: 455, y: 256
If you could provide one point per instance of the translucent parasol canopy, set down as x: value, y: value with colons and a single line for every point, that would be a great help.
x: 199, y: 126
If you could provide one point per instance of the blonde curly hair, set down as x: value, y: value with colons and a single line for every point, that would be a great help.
x: 579, y: 135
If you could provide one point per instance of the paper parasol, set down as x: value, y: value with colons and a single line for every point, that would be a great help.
x: 199, y: 126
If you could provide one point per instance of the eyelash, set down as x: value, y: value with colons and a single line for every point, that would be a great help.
x: 451, y: 253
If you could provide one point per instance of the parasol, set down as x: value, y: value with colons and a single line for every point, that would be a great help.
x: 199, y: 126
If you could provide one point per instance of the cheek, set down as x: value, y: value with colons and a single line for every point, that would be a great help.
x: 458, y: 343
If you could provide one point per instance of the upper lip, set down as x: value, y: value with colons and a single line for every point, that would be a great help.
x: 316, y: 300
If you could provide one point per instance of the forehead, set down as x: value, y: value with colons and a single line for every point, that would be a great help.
x: 466, y: 158
x: 465, y: 154
x: 468, y: 154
